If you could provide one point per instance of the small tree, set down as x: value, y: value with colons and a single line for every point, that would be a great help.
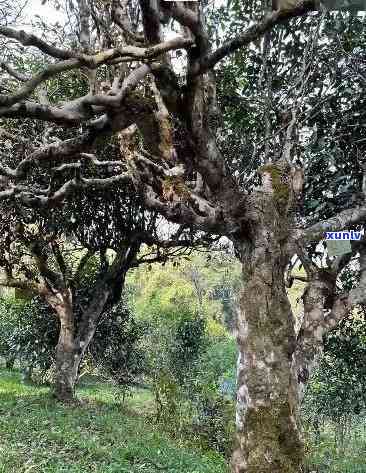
x: 29, y: 333
x: 48, y: 254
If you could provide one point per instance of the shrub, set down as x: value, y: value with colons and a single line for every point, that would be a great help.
x: 28, y: 333
x: 115, y: 348
x: 215, y: 423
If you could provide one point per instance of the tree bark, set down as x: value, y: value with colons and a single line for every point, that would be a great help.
x: 67, y: 356
x: 268, y: 425
x: 74, y: 341
x: 67, y: 366
x: 317, y: 298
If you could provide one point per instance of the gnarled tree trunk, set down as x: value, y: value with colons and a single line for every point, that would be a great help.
x: 268, y: 425
x: 67, y: 356
x: 74, y: 341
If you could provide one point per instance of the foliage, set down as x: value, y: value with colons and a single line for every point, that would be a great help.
x: 338, y: 388
x: 206, y: 284
x: 215, y: 423
x: 9, y: 313
x: 326, y: 454
x: 189, y: 389
x: 174, y: 358
x: 188, y: 343
x: 218, y: 367
x: 173, y: 353
x: 29, y: 332
x: 115, y: 347
x: 213, y: 394
x: 335, y: 402
x: 257, y: 85
x: 191, y: 358
x: 174, y: 369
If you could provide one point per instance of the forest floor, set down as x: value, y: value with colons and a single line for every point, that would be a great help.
x: 39, y: 435
x: 104, y: 435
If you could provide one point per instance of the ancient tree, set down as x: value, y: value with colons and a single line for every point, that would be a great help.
x: 150, y: 78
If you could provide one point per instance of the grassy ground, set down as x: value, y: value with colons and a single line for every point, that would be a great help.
x: 328, y: 455
x: 38, y: 435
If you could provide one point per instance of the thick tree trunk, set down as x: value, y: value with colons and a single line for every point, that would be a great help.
x: 67, y: 355
x: 67, y: 366
x: 269, y: 433
x: 73, y: 343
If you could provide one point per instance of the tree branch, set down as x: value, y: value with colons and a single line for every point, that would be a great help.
x: 67, y: 115
x: 29, y: 86
x: 82, y: 263
x: 151, y: 20
x: 323, y: 311
x: 190, y: 19
x: 33, y: 199
x: 251, y: 34
x: 345, y: 302
x: 17, y: 283
x: 338, y: 222
x: 120, y: 18
x: 92, y: 62
x: 181, y: 213
x: 13, y: 72
x: 32, y: 40
x: 60, y: 260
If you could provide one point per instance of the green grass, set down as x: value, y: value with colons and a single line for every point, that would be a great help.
x: 328, y: 456
x: 39, y: 435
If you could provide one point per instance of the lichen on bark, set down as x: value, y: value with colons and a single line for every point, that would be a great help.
x: 175, y: 188
x: 279, y: 175
x: 272, y: 424
x: 269, y: 430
